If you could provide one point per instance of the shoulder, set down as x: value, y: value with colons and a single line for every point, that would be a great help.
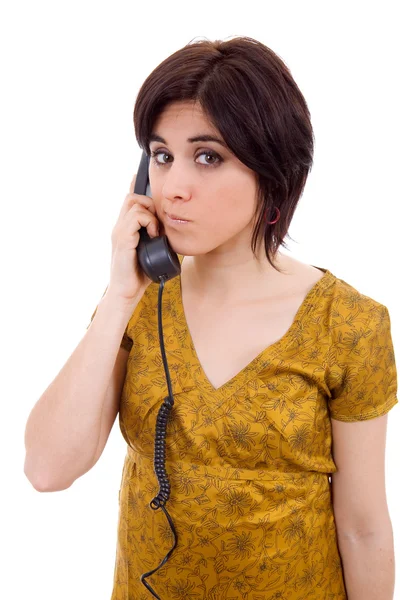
x: 360, y: 368
x: 355, y: 317
x: 349, y: 300
x: 341, y: 305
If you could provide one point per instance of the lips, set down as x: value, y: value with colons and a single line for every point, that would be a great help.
x: 176, y: 217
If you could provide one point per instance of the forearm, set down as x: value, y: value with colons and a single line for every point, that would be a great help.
x: 63, y: 428
x: 368, y: 564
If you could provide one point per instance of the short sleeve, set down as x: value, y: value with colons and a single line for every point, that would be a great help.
x: 362, y: 376
x: 126, y: 341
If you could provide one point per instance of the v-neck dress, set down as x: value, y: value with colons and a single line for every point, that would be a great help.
x: 250, y: 462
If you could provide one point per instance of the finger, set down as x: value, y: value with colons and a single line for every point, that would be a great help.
x: 145, y: 201
x: 136, y: 200
x: 132, y: 199
x: 144, y: 218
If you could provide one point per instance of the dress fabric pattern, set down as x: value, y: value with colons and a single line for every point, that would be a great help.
x: 249, y: 463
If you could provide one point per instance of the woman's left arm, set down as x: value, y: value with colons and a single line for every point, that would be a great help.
x: 363, y: 525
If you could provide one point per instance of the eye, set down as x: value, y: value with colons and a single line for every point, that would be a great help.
x: 159, y: 153
x: 209, y: 154
x: 213, y: 155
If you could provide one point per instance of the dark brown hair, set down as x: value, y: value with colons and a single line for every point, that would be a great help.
x: 248, y: 93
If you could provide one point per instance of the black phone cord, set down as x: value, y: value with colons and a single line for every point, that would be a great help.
x: 159, y: 447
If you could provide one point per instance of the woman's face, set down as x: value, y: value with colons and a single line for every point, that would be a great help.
x: 201, y: 181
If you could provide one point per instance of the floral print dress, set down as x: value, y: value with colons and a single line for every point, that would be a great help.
x: 250, y: 462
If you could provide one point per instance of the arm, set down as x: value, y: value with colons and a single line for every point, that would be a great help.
x: 65, y: 430
x: 364, y: 529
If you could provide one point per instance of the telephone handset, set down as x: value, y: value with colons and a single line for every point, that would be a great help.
x: 160, y: 263
x: 155, y: 255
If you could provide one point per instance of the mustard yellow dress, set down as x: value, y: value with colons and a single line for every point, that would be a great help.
x: 249, y: 463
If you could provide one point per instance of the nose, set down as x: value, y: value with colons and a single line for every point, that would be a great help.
x: 177, y: 185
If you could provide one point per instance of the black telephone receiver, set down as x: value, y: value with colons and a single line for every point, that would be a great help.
x: 155, y: 255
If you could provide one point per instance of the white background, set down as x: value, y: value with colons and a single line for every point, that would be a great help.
x: 70, y: 73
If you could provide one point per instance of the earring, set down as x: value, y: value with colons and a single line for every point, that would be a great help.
x: 278, y: 212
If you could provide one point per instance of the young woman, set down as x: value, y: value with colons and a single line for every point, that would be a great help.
x: 282, y: 373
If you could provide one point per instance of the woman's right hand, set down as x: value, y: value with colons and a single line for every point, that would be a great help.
x: 127, y: 280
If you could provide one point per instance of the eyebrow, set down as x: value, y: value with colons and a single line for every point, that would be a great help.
x: 197, y: 138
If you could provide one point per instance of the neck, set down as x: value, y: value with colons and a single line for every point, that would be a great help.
x: 229, y: 279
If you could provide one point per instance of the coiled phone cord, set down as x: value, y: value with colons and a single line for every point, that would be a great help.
x: 159, y: 447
